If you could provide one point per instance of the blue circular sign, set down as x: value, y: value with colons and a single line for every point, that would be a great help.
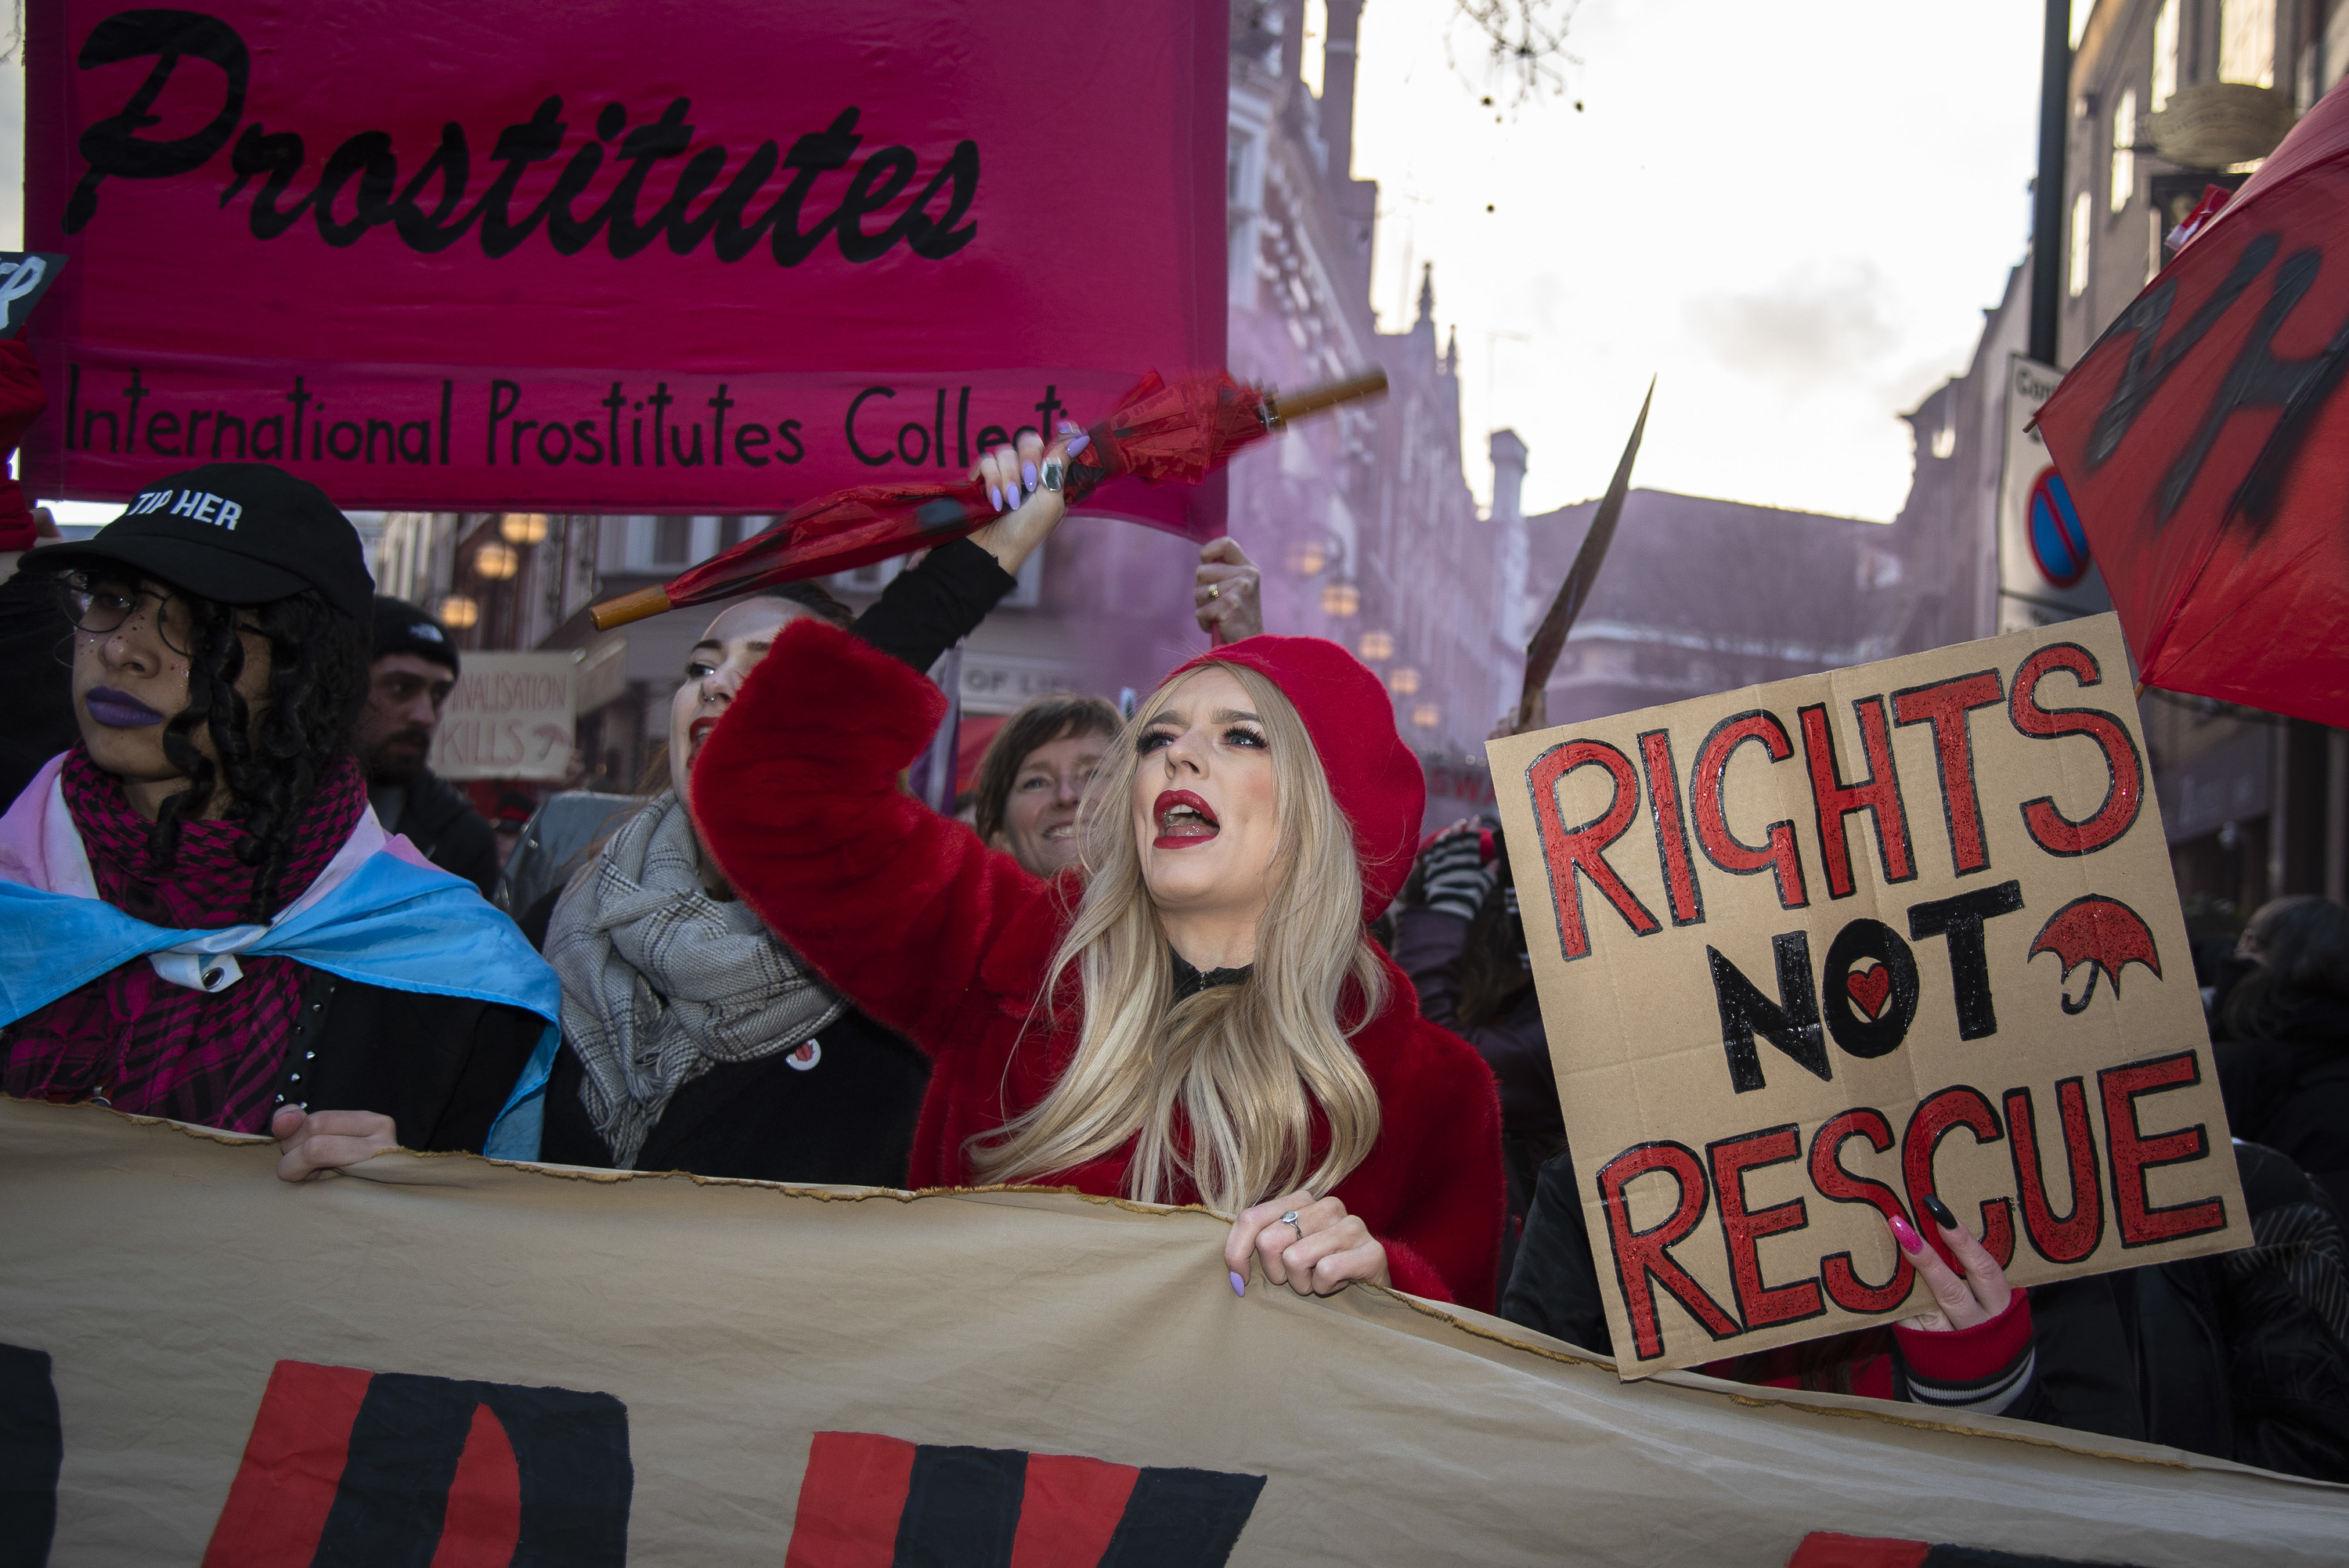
x: 2058, y: 544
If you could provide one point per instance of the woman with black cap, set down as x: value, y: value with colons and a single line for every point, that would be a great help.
x: 199, y: 917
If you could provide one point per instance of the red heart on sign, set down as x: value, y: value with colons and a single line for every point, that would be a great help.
x: 1869, y: 987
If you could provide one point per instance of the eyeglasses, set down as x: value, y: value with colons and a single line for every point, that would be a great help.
x: 98, y: 608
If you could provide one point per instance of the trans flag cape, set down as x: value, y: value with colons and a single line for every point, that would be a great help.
x: 379, y: 914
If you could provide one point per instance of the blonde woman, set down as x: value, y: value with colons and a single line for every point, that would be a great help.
x: 1193, y: 1015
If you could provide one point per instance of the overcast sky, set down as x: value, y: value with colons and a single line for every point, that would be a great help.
x: 1793, y: 214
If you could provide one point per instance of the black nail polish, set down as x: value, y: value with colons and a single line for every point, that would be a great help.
x: 1940, y: 1213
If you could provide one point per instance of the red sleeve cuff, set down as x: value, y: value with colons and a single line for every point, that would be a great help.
x: 1415, y: 1275
x: 1967, y: 1355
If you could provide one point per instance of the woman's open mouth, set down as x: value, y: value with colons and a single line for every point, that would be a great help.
x: 695, y: 734
x: 118, y: 709
x: 1183, y: 820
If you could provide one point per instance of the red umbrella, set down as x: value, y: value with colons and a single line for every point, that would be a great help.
x: 1162, y: 430
x: 2205, y: 442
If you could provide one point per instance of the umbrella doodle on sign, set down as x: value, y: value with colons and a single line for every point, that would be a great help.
x: 2104, y: 934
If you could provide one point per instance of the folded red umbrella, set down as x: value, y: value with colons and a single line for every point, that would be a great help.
x: 1181, y: 430
x: 2205, y: 441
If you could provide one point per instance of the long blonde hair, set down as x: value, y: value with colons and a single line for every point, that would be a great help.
x: 1247, y: 1064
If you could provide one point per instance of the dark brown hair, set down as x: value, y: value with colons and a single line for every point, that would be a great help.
x: 1041, y: 722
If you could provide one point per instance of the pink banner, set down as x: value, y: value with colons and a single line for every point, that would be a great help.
x: 615, y: 256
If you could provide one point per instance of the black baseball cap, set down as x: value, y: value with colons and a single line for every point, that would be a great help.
x: 237, y: 533
x: 402, y: 628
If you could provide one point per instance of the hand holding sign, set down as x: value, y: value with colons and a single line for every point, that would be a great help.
x: 1791, y: 947
x: 25, y: 277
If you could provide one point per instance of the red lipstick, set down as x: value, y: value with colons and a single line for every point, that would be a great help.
x: 1183, y: 820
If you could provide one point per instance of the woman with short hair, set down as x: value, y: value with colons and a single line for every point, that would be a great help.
x: 1033, y: 777
x: 1209, y: 1023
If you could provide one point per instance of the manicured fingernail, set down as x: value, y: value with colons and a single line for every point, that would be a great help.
x: 1028, y: 475
x: 1239, y: 1283
x: 1067, y: 428
x: 1940, y: 1213
x: 1906, y: 1234
x: 995, y: 498
x: 1080, y: 444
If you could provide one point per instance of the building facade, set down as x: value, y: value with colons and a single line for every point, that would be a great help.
x: 2255, y: 805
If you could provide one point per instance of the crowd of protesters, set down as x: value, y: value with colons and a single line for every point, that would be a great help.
x: 1192, y: 952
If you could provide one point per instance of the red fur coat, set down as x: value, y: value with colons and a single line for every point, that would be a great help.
x: 947, y: 942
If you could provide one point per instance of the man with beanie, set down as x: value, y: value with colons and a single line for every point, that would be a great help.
x: 415, y: 670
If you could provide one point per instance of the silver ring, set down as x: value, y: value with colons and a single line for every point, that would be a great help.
x: 1289, y: 1219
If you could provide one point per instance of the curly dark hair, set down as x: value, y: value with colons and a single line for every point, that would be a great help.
x: 270, y: 765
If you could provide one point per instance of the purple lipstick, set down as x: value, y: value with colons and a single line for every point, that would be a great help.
x: 118, y: 709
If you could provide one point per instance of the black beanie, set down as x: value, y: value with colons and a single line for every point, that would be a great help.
x: 401, y: 628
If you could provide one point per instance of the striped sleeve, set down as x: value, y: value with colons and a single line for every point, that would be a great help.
x: 1986, y: 1369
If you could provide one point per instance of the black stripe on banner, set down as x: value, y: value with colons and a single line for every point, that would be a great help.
x: 1182, y: 1519
x: 571, y: 1460
x: 32, y: 1447
x: 962, y: 1508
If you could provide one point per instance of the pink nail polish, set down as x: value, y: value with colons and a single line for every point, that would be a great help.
x: 1239, y: 1283
x: 1906, y: 1236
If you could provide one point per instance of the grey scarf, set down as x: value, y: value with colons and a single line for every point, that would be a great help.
x: 662, y: 982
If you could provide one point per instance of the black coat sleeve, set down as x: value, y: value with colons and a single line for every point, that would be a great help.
x: 1554, y: 1289
x: 440, y: 1066
x: 928, y: 610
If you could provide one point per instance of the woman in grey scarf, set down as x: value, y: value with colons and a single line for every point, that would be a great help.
x: 693, y: 1039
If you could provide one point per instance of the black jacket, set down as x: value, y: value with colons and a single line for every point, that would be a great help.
x: 441, y: 823
x: 440, y: 1066
x: 2292, y: 1092
x: 34, y: 643
x: 848, y: 1118
x: 2230, y: 1356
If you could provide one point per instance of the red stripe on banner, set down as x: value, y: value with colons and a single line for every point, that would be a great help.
x: 284, y: 1485
x: 483, y: 1527
x: 1070, y: 1510
x: 850, y: 1501
x: 1824, y: 1549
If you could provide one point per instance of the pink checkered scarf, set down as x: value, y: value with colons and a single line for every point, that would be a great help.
x: 136, y: 1040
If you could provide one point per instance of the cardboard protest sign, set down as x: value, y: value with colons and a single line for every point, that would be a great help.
x: 510, y: 716
x: 615, y: 258
x: 446, y: 1361
x: 1810, y: 952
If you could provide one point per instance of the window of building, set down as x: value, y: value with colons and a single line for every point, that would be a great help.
x: 2165, y: 54
x: 2124, y: 151
x: 2081, y: 209
x: 2247, y: 37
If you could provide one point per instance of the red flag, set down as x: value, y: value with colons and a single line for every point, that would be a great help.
x: 2205, y: 441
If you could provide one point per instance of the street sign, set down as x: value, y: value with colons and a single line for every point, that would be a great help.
x: 2045, y: 571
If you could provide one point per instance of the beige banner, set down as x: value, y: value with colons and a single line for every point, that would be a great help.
x: 1813, y: 952
x: 723, y: 1341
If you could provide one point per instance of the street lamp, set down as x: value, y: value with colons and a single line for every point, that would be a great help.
x: 523, y: 527
x: 459, y: 612
x: 1378, y: 644
x: 1306, y: 559
x: 1404, y: 681
x: 1341, y: 600
x: 1427, y: 715
x: 496, y: 561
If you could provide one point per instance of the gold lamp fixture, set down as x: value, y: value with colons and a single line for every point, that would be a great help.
x: 1403, y: 682
x: 1427, y: 715
x: 1306, y: 559
x: 1341, y: 600
x: 523, y: 527
x: 497, y: 561
x: 1378, y: 644
x: 459, y: 612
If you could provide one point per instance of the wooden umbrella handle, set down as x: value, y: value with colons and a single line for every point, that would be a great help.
x: 1370, y: 384
x: 641, y: 606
